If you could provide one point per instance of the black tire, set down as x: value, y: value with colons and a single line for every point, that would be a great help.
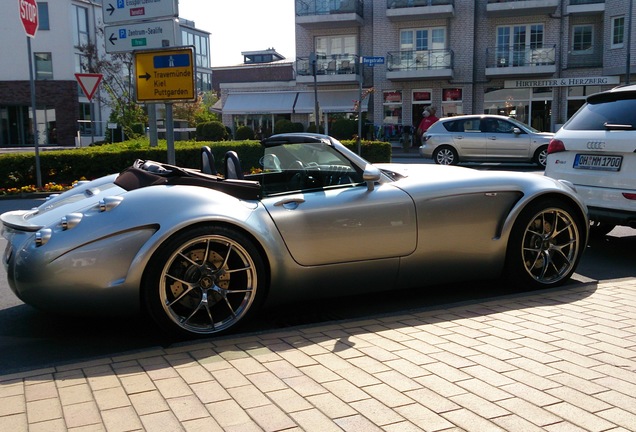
x: 600, y: 229
x: 541, y: 156
x: 204, y: 281
x: 545, y: 245
x: 445, y: 156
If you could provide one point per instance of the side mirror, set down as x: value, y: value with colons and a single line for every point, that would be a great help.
x: 371, y: 175
x: 516, y: 131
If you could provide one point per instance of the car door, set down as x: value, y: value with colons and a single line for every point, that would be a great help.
x: 502, y: 142
x: 468, y: 139
x: 345, y: 223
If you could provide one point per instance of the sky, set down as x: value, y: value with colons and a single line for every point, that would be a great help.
x: 243, y: 25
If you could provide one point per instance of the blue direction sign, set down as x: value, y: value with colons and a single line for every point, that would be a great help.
x: 372, y: 61
x: 126, y: 11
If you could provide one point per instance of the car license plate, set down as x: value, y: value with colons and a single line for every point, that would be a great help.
x: 598, y: 162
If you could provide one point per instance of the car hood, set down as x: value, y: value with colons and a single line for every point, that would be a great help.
x: 445, y: 178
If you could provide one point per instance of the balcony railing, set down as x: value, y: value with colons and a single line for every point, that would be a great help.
x: 396, y: 4
x: 342, y: 64
x: 328, y: 7
x: 585, y: 2
x: 506, y: 56
x: 424, y: 59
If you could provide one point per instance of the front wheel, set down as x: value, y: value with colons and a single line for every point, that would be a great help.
x: 445, y: 156
x: 541, y: 156
x: 203, y: 281
x: 545, y: 245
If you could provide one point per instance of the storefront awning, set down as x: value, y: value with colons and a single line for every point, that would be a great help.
x: 329, y: 101
x: 260, y: 103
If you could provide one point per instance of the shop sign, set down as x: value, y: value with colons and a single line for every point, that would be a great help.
x: 563, y: 82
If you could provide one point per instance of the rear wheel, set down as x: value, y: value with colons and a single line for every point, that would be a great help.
x: 203, y: 281
x: 545, y: 245
x: 445, y: 156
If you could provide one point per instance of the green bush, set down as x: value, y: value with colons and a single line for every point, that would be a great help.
x: 343, y: 129
x: 211, y: 131
x: 244, y: 133
x: 312, y: 128
x: 67, y: 165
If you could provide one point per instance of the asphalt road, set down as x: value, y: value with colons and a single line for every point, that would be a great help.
x: 30, y: 339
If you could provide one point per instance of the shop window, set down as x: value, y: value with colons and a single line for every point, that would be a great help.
x: 452, y: 102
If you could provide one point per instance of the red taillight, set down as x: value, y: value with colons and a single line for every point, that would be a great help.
x: 629, y: 196
x: 556, y: 146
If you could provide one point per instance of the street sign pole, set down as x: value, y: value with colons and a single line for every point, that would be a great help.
x: 170, y: 134
x: 360, y: 79
x: 38, y: 173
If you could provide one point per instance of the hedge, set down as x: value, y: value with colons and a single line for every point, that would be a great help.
x: 65, y: 166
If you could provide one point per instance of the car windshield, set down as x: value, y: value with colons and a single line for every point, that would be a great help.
x: 306, y: 166
x: 596, y: 116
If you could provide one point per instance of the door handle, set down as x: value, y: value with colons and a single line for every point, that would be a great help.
x: 289, y: 203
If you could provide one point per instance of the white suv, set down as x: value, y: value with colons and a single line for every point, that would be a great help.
x: 596, y: 152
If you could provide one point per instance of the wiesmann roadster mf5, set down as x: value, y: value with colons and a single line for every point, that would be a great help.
x: 201, y: 252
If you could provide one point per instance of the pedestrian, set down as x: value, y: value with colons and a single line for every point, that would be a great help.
x: 428, y: 118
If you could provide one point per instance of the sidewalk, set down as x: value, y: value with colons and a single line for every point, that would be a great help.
x: 555, y: 360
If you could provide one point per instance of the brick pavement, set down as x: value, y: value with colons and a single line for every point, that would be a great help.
x: 557, y: 360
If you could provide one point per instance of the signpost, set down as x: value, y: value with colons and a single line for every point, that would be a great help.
x: 118, y: 11
x: 165, y: 75
x: 151, y: 25
x: 372, y: 61
x: 29, y: 17
x: 89, y: 83
x: 366, y: 61
x: 143, y: 35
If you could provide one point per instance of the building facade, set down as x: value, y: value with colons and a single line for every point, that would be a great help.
x: 535, y: 60
x: 64, y: 115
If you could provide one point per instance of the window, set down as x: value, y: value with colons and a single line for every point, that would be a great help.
x: 423, y: 39
x: 618, y: 32
x: 80, y: 29
x: 452, y: 102
x: 515, y: 44
x: 327, y: 46
x: 43, y: 16
x: 43, y: 66
x: 582, y: 39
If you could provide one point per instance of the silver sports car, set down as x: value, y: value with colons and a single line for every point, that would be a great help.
x: 201, y: 252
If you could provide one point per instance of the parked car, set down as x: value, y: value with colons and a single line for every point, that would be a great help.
x: 484, y: 138
x: 596, y: 151
x: 201, y: 252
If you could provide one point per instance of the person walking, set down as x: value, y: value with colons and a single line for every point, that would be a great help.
x: 428, y: 118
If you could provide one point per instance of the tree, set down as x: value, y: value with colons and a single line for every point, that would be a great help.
x: 117, y: 81
x: 198, y: 111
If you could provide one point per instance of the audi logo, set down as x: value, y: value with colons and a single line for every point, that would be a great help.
x: 596, y: 145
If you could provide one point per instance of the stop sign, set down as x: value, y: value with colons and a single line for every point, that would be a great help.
x: 29, y: 16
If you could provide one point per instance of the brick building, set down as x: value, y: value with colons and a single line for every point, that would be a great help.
x: 535, y: 60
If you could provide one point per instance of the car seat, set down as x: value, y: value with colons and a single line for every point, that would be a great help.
x: 233, y: 166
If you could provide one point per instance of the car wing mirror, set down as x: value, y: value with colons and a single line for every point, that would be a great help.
x: 516, y: 131
x: 371, y: 175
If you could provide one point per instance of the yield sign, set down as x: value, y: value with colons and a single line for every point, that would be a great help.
x: 88, y: 82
